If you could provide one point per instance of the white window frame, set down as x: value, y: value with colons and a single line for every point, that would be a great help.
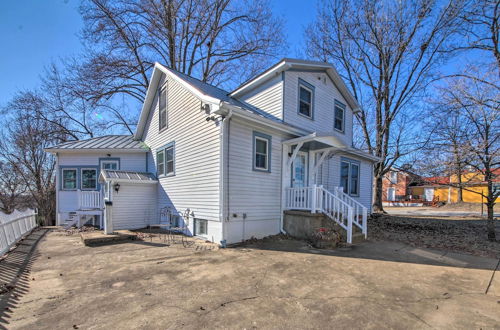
x: 164, y: 167
x: 81, y: 178
x: 196, y: 233
x: 394, y: 177
x: 76, y: 178
x: 117, y: 162
x: 350, y: 163
x: 160, y: 110
x: 340, y: 106
x: 266, y: 168
x: 311, y: 108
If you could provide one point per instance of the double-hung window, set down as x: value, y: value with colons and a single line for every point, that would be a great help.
x: 200, y: 227
x: 338, y: 120
x: 165, y: 160
x: 306, y: 99
x: 69, y: 178
x: 349, y: 176
x: 262, y: 151
x: 89, y: 179
x: 162, y: 107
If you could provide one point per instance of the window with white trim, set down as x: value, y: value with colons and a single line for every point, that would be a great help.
x: 110, y: 165
x: 394, y: 177
x: 262, y: 152
x: 89, y: 179
x: 162, y: 107
x: 69, y: 178
x: 200, y: 227
x: 339, y: 115
x: 165, y: 160
x: 349, y: 176
x: 305, y: 101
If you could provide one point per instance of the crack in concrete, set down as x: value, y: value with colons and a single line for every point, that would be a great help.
x: 492, y: 276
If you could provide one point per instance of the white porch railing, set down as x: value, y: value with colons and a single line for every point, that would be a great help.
x: 89, y: 200
x: 338, y: 206
x: 360, y: 211
x: 13, y: 229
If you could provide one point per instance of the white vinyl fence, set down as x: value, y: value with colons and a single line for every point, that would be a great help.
x: 14, y: 226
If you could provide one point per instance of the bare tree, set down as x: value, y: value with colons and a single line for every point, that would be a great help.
x: 218, y: 41
x: 21, y: 147
x: 482, y: 21
x: 476, y: 103
x: 11, y: 188
x: 387, y: 52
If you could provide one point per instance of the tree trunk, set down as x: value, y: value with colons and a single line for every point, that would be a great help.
x: 491, y: 222
x: 377, y: 202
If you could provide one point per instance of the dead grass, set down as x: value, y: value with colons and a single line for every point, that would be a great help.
x: 467, y: 235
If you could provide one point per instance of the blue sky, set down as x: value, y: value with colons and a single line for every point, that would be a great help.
x: 38, y: 32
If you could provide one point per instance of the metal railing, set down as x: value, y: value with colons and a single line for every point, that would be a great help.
x: 14, y: 228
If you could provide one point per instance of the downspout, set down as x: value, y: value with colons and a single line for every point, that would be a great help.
x: 224, y: 172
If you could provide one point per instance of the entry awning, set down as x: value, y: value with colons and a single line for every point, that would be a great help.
x: 127, y: 176
x: 317, y: 141
x: 323, y: 141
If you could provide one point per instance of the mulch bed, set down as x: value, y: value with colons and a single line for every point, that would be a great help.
x: 458, y: 235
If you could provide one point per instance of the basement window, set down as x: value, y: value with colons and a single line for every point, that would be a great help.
x: 200, y: 227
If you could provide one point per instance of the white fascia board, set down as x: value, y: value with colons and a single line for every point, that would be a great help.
x: 93, y: 151
x: 361, y: 154
x: 151, y: 92
x: 264, y: 76
x: 134, y: 182
x: 260, y: 119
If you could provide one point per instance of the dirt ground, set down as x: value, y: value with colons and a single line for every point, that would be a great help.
x: 58, y: 283
x: 459, y: 234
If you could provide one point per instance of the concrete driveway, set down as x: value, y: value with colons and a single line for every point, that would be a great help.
x: 270, y: 284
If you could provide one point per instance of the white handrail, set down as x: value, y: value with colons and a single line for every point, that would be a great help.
x: 13, y: 230
x: 317, y: 198
x: 360, y: 211
x: 89, y: 199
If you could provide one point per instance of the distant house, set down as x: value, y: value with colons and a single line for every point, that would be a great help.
x: 444, y: 189
x: 396, y: 187
x: 224, y: 166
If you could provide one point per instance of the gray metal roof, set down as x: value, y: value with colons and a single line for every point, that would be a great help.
x: 222, y: 95
x: 104, y: 142
x: 117, y: 175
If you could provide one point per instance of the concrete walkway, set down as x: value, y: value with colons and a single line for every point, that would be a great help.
x: 270, y: 284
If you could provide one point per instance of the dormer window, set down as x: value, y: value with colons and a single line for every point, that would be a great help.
x: 338, y: 120
x: 306, y: 99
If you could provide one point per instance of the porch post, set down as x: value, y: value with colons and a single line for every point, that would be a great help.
x: 284, y: 179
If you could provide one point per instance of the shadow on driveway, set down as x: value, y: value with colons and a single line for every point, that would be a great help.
x: 14, y: 274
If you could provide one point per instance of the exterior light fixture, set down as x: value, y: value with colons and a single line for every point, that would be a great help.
x: 117, y: 187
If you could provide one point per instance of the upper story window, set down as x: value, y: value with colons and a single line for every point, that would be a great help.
x: 306, y: 99
x: 339, y: 116
x: 110, y: 164
x: 262, y: 151
x: 394, y: 177
x: 69, y: 178
x: 165, y: 160
x: 349, y: 176
x: 162, y: 107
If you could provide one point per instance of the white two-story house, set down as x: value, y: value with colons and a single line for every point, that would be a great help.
x: 225, y: 165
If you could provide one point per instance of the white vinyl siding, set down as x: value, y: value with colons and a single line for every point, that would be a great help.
x: 267, y: 97
x: 134, y: 206
x: 68, y: 199
x: 255, y: 194
x: 195, y: 185
x: 325, y: 95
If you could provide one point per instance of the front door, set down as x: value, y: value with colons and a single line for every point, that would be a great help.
x: 299, y: 170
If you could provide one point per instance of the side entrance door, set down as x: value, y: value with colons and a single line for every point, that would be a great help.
x: 299, y: 170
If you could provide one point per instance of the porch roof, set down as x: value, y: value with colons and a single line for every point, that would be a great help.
x: 326, y: 141
x: 127, y: 176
